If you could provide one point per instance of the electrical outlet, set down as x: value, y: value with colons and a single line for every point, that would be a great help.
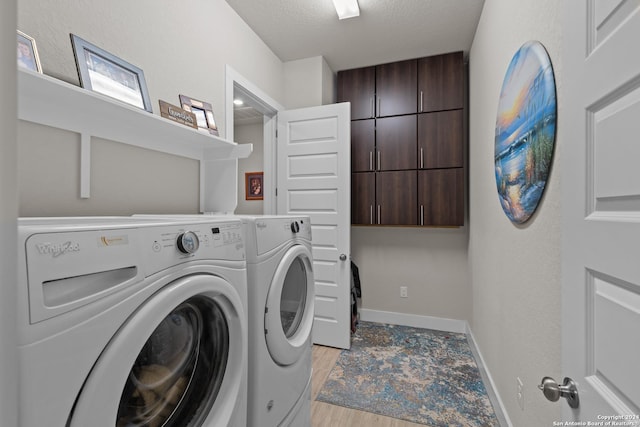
x: 520, y: 393
x: 403, y: 292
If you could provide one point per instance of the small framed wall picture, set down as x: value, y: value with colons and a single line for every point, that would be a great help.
x: 105, y: 73
x: 253, y: 185
x: 203, y: 111
x: 28, y: 53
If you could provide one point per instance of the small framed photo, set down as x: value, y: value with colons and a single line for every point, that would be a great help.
x: 253, y: 185
x: 203, y: 111
x: 28, y: 53
x: 109, y: 75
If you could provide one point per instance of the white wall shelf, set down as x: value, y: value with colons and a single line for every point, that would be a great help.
x: 52, y: 102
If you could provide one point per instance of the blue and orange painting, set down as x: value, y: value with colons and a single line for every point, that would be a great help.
x: 525, y: 131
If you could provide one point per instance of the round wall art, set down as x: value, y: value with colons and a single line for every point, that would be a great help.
x: 525, y: 131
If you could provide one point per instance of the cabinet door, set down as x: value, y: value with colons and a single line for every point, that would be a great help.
x: 396, y: 198
x: 363, y: 193
x: 363, y: 145
x: 441, y: 82
x: 440, y: 140
x: 396, y: 142
x: 441, y: 197
x: 358, y: 87
x: 396, y: 88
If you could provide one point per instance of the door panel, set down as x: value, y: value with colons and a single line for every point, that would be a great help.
x: 440, y: 140
x: 313, y: 178
x: 441, y: 197
x: 396, y: 85
x: 440, y: 82
x: 363, y: 198
x: 358, y: 86
x: 396, y: 198
x: 601, y: 208
x: 396, y: 142
x: 363, y: 145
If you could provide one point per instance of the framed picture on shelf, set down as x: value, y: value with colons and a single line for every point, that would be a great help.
x: 105, y: 73
x: 253, y: 185
x: 203, y: 111
x: 28, y: 53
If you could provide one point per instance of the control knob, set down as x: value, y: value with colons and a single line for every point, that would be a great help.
x: 295, y: 227
x: 188, y: 242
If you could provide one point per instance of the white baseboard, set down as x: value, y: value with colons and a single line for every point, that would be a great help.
x: 417, y: 321
x: 498, y: 405
x: 448, y: 325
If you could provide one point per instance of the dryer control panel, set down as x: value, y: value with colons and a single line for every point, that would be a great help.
x: 272, y: 232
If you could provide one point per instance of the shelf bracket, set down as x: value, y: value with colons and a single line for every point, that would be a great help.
x: 85, y: 165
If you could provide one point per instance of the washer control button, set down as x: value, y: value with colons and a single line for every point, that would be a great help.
x: 188, y: 242
x: 295, y: 227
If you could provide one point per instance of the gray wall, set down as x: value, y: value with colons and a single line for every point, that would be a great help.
x: 183, y: 49
x: 8, y: 214
x: 515, y: 270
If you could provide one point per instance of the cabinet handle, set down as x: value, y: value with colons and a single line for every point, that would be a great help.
x: 378, y: 214
x: 371, y: 214
x: 379, y: 107
x: 378, y: 160
x: 373, y: 113
x: 421, y: 214
x: 421, y: 158
x: 370, y: 160
x: 421, y: 100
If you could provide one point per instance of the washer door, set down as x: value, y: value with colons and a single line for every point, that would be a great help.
x: 289, y: 312
x: 178, y: 361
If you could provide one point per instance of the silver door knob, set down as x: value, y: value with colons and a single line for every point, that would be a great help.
x: 343, y: 257
x: 552, y: 391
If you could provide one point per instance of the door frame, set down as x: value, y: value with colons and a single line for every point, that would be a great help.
x: 270, y: 108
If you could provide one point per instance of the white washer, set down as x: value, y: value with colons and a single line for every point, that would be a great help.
x: 130, y: 321
x: 281, y: 305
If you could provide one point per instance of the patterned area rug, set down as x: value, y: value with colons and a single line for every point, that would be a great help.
x: 419, y: 375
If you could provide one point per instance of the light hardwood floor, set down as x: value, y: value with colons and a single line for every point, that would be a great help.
x: 326, y: 415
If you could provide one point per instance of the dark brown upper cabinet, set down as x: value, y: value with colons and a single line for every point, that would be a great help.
x: 396, y: 198
x: 441, y: 197
x: 440, y: 140
x: 363, y: 145
x: 396, y: 139
x: 396, y: 85
x: 358, y: 86
x: 441, y: 82
x: 363, y: 198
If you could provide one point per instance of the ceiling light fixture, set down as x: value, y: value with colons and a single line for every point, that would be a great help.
x: 346, y: 8
x: 238, y: 102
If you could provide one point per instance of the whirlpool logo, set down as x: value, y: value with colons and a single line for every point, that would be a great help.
x: 57, y: 249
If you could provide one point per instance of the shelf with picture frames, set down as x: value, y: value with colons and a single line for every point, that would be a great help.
x: 52, y: 102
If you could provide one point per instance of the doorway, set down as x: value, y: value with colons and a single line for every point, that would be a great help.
x: 257, y: 118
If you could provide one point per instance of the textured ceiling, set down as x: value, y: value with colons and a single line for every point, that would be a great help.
x: 385, y: 31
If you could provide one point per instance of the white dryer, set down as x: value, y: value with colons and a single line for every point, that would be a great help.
x: 130, y: 321
x: 281, y: 305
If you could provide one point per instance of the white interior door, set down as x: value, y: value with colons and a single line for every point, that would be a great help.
x: 600, y: 125
x: 313, y: 178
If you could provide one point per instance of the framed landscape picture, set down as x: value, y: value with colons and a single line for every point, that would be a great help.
x: 109, y: 75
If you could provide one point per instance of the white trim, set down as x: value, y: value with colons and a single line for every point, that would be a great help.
x: 232, y: 77
x: 417, y: 321
x: 492, y: 390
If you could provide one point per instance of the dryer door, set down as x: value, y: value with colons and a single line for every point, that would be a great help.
x: 289, y: 312
x: 177, y: 361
